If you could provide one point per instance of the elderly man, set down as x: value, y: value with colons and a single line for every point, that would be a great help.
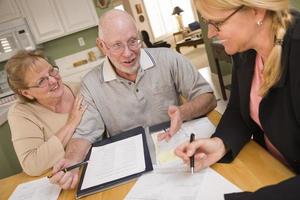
x: 132, y: 87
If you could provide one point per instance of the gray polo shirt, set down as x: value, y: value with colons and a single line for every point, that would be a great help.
x: 116, y: 104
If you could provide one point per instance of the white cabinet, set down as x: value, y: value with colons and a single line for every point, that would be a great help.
x: 8, y: 10
x: 50, y: 19
x: 77, y: 15
x: 42, y: 18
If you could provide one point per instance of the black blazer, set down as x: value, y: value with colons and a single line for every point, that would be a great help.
x: 279, y: 114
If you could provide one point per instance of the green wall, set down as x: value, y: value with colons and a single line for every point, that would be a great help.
x: 69, y: 44
x: 8, y: 158
x: 295, y: 4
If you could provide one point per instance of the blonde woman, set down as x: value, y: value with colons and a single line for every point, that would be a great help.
x: 264, y: 39
x: 46, y: 115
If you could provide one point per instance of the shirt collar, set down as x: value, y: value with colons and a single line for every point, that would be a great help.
x: 109, y: 74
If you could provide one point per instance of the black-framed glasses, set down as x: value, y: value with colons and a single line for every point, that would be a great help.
x: 218, y: 24
x: 44, y: 81
x: 119, y: 47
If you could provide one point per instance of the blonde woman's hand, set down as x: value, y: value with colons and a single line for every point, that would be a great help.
x: 206, y: 152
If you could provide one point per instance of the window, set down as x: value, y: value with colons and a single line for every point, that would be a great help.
x: 160, y: 15
x: 120, y: 7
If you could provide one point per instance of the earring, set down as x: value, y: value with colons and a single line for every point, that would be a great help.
x: 259, y: 23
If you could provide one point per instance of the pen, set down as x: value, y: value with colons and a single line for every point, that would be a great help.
x: 192, y: 158
x: 71, y: 167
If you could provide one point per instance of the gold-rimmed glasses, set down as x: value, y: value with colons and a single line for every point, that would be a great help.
x: 44, y: 81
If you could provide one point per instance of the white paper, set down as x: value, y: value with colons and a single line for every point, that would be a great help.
x: 36, y: 190
x: 202, y: 128
x: 114, y: 161
x: 179, y: 184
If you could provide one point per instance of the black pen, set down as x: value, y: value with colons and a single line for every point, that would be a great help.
x: 192, y: 158
x: 71, y: 167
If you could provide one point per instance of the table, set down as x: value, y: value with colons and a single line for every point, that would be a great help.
x: 189, y: 42
x: 252, y: 169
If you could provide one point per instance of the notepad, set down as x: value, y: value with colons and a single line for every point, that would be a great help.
x: 36, y: 190
x: 202, y: 128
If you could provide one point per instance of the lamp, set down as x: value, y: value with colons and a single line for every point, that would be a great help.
x: 176, y: 11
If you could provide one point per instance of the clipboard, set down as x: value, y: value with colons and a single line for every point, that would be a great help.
x: 122, y: 136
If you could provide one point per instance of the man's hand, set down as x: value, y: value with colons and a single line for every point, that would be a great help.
x: 66, y: 180
x: 176, y: 121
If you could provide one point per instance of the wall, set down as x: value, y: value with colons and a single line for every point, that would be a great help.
x: 295, y: 4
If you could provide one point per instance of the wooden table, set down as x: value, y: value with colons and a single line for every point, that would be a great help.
x: 252, y: 169
x: 189, y: 42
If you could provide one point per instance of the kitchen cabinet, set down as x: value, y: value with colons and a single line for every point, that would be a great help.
x: 77, y: 15
x: 51, y: 19
x: 8, y: 10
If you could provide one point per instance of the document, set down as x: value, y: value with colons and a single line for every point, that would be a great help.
x: 36, y: 190
x: 177, y: 183
x: 114, y: 161
x: 202, y: 128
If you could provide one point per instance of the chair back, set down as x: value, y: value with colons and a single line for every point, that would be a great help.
x: 146, y: 38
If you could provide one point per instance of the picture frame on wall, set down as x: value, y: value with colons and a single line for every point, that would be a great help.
x: 138, y: 8
x: 102, y: 3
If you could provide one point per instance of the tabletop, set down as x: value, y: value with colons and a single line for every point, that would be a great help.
x: 252, y: 168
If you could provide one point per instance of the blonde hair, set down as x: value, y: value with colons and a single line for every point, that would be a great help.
x: 281, y: 18
x: 16, y: 68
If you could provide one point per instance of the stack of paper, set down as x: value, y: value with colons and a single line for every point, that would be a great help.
x: 36, y: 190
x: 177, y: 184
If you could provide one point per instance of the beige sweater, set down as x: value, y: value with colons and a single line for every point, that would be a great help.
x: 33, y: 128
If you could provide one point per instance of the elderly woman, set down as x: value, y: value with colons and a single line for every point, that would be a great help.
x: 46, y: 115
x: 264, y: 39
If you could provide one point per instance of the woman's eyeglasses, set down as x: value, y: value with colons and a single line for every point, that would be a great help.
x: 217, y: 25
x: 44, y: 81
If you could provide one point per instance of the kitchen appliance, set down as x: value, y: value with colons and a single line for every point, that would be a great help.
x: 6, y: 94
x: 14, y: 36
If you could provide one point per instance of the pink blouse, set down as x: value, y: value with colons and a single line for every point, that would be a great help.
x: 255, y: 100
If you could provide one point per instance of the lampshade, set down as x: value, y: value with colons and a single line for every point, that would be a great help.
x: 177, y: 11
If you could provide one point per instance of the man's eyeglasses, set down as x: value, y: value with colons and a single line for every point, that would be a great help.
x: 217, y: 25
x: 133, y: 44
x: 44, y: 81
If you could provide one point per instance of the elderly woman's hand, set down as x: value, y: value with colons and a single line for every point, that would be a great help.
x: 77, y: 111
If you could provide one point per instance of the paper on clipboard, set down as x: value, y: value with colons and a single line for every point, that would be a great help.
x: 114, y: 161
